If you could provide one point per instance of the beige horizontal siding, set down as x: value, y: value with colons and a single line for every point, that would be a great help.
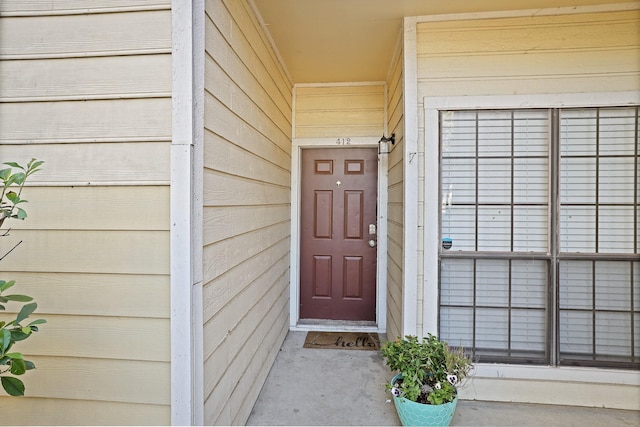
x: 86, y: 87
x: 84, y: 35
x: 126, y: 163
x: 243, y: 162
x: 88, y: 380
x: 93, y: 294
x: 128, y: 76
x: 95, y: 207
x: 224, y: 222
x: 128, y: 338
x: 540, y: 54
x: 339, y: 110
x: 70, y: 121
x: 27, y: 7
x: 84, y: 412
x: 246, y: 212
x: 90, y: 251
x: 395, y: 201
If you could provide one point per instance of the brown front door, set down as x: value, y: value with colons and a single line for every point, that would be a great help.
x: 338, y: 234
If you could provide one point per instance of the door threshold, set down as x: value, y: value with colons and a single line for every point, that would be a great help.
x: 336, y: 326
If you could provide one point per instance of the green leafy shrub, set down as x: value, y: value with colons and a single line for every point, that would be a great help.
x: 16, y: 329
x: 430, y: 368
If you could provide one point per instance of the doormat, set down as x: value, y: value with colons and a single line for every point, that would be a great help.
x: 342, y: 340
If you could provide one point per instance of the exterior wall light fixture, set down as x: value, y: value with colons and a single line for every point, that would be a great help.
x: 383, y: 144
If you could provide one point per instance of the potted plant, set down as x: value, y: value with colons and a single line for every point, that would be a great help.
x: 428, y: 373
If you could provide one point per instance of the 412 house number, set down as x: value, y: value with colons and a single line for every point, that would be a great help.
x: 343, y: 141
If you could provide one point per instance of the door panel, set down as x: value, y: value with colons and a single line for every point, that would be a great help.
x: 337, y: 263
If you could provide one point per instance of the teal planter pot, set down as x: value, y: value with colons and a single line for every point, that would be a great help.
x: 420, y: 414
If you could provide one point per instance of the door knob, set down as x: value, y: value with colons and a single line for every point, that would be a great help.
x: 372, y: 243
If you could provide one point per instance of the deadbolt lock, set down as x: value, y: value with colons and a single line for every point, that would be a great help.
x: 372, y: 229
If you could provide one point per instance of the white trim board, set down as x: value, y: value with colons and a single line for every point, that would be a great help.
x: 381, y: 286
x: 187, y: 396
x: 410, y: 181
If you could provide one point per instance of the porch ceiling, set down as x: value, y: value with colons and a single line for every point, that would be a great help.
x: 353, y: 40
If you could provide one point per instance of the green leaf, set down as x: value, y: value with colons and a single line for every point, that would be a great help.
x: 6, y: 285
x: 5, y: 340
x: 13, y: 196
x: 5, y: 173
x: 30, y: 365
x: 15, y: 355
x: 21, y: 214
x: 18, y: 367
x: 26, y: 311
x: 18, y: 335
x: 13, y: 386
x: 37, y: 322
x: 13, y: 164
x: 18, y: 178
x: 20, y: 298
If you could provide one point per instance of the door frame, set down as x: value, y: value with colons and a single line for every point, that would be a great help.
x: 381, y: 253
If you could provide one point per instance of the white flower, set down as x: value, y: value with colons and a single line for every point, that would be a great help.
x: 395, y: 391
x: 453, y: 379
x: 437, y: 386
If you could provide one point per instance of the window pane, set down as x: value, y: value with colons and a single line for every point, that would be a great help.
x: 492, y: 328
x: 528, y: 330
x: 531, y: 133
x: 616, y: 180
x: 577, y: 229
x: 458, y: 133
x: 615, y: 229
x: 459, y: 224
x: 613, y: 334
x: 613, y: 285
x: 494, y: 133
x: 598, y: 187
x: 492, y: 283
x: 529, y: 284
x: 578, y: 130
x: 577, y: 180
x: 494, y: 228
x: 458, y: 181
x: 494, y: 181
x: 617, y: 130
x: 531, y: 180
x: 576, y: 333
x: 456, y: 326
x: 456, y: 282
x: 530, y: 229
x: 576, y: 284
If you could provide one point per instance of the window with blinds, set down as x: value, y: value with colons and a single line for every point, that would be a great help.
x: 541, y: 211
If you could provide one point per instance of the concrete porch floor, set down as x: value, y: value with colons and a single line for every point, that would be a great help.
x: 344, y: 387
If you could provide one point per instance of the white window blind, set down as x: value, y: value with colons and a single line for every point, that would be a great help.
x: 498, y: 209
x: 495, y: 187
